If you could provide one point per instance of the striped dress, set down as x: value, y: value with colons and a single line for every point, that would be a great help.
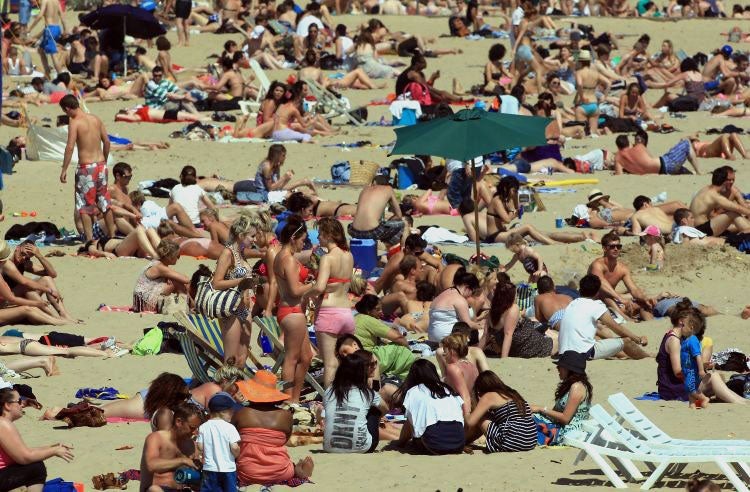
x: 510, y: 431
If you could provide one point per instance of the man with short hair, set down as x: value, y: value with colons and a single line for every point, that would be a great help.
x: 409, y: 269
x: 87, y: 134
x: 413, y: 245
x: 646, y: 214
x: 638, y: 160
x: 371, y: 206
x: 586, y: 318
x: 162, y: 93
x: 549, y: 306
x: 164, y: 451
x: 713, y: 211
x: 54, y: 27
x: 611, y: 272
x: 685, y: 231
x: 122, y: 174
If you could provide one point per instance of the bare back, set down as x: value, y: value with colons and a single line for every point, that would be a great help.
x: 89, y: 135
x: 371, y: 205
x: 266, y: 417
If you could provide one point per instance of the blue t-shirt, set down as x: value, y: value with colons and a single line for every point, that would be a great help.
x: 690, y: 348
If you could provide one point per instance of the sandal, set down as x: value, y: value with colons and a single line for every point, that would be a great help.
x: 108, y: 481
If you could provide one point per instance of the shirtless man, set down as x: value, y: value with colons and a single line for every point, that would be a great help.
x: 413, y: 245
x: 638, y: 160
x: 588, y: 81
x: 718, y: 74
x: 87, y: 134
x: 711, y: 199
x: 549, y: 306
x: 51, y: 12
x: 122, y: 174
x: 409, y: 270
x: 647, y: 214
x: 612, y: 272
x: 686, y: 232
x: 164, y: 451
x: 230, y: 83
x: 371, y: 206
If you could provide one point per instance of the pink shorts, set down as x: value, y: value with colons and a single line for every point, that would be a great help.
x: 336, y: 321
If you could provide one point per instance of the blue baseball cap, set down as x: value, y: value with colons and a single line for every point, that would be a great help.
x: 222, y: 401
x: 726, y: 50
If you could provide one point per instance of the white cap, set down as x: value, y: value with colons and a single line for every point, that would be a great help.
x: 581, y: 211
x: 4, y: 384
x: 257, y: 32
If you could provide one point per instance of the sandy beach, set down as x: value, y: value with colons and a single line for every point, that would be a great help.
x: 718, y: 277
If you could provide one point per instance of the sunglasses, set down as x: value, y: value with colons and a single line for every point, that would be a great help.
x: 614, y: 246
x: 15, y: 401
x: 127, y: 176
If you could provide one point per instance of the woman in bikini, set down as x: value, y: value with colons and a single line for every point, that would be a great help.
x: 428, y: 203
x: 267, y: 293
x: 144, y: 114
x: 331, y: 293
x: 723, y: 146
x: 355, y: 79
x: 274, y: 98
x: 291, y: 276
x: 158, y: 280
x: 632, y: 104
x: 140, y: 242
x: 689, y: 77
x: 311, y: 206
x: 663, y: 65
x: 197, y: 247
x: 231, y: 272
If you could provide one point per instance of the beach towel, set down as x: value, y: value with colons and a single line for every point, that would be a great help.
x: 649, y: 396
x: 48, y: 144
x: 443, y: 235
x: 105, y: 393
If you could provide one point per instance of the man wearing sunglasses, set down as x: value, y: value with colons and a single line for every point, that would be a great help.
x: 611, y: 272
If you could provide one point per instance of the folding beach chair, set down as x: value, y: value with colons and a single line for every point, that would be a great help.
x: 199, y: 356
x: 264, y: 84
x: 335, y: 105
x: 206, y: 332
x: 627, y: 412
x: 624, y: 446
x: 270, y: 327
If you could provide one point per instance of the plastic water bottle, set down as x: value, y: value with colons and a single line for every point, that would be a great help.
x: 746, y: 389
x: 186, y: 475
x: 265, y: 344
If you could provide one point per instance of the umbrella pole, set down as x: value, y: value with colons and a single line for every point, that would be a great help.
x: 124, y: 48
x: 476, y: 207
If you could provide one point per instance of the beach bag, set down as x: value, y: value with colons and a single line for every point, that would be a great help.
x: 684, y: 104
x: 341, y: 172
x: 525, y: 294
x: 547, y: 433
x: 216, y: 303
x: 19, y: 232
x: 59, y: 485
x: 150, y: 344
x: 419, y: 93
x: 329, y: 62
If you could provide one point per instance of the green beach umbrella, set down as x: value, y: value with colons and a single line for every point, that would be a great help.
x: 468, y: 134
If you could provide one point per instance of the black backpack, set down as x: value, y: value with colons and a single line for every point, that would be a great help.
x: 684, y: 104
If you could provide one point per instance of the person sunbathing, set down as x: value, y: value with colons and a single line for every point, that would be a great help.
x: 428, y: 203
x: 310, y: 206
x: 42, y: 283
x: 107, y: 90
x: 197, y: 247
x: 145, y: 114
x: 17, y: 366
x: 13, y: 345
x: 355, y: 79
x: 264, y: 430
x: 141, y: 242
x: 723, y: 146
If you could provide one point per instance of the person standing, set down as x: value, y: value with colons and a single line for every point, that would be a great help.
x: 219, y: 443
x: 87, y: 134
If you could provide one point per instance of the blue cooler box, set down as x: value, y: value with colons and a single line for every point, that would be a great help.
x: 365, y: 253
x: 408, y: 118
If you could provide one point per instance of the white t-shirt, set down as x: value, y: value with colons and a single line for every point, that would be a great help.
x: 190, y: 198
x: 215, y: 436
x: 517, y: 16
x: 595, y: 158
x: 686, y: 231
x: 153, y: 214
x: 423, y: 410
x: 509, y: 104
x: 305, y: 24
x: 578, y: 325
x: 346, y: 424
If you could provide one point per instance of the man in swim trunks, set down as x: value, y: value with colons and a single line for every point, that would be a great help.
x: 371, y: 206
x: 164, y: 451
x: 612, y: 272
x: 713, y: 211
x: 646, y: 214
x: 51, y: 12
x: 718, y: 76
x: 637, y: 159
x: 588, y: 80
x: 549, y: 306
x: 413, y: 245
x: 162, y: 93
x: 87, y: 134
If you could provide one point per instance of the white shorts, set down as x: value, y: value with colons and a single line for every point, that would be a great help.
x: 604, y: 349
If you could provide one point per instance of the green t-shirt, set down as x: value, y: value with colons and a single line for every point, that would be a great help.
x: 369, y: 330
x: 394, y: 359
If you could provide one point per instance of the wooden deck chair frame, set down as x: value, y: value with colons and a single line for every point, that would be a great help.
x: 215, y: 346
x: 264, y: 84
x: 200, y: 356
x: 326, y: 97
x: 270, y: 327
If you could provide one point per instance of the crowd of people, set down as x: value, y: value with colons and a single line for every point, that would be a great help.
x: 405, y: 347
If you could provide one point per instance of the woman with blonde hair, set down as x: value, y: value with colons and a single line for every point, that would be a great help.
x: 158, y: 280
x: 334, y: 316
x: 268, y: 293
x: 460, y: 373
x: 231, y: 271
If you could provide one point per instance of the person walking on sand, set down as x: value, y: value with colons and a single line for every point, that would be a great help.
x: 87, y: 134
x: 54, y: 27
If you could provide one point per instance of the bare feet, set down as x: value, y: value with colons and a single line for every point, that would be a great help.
x: 746, y: 312
x: 50, y: 413
x: 458, y: 89
x: 304, y: 468
x: 50, y: 366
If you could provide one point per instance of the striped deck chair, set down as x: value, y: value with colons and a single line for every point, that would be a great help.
x: 206, y: 332
x: 269, y: 325
x: 199, y: 355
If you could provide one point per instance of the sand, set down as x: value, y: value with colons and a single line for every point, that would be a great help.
x: 717, y: 277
